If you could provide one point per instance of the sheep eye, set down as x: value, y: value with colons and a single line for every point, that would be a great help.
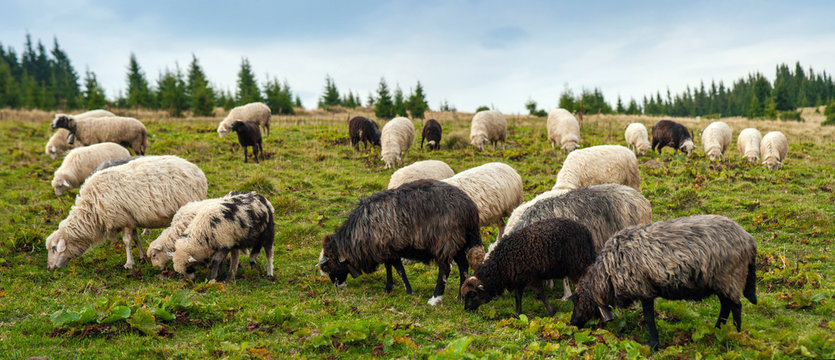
x: 53, y: 247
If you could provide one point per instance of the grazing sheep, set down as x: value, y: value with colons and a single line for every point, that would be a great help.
x: 124, y: 131
x: 544, y: 250
x: 236, y: 222
x: 488, y: 125
x: 145, y: 192
x: 495, y: 188
x: 257, y: 112
x: 422, y: 220
x: 601, y: 164
x: 636, y: 138
x: 81, y: 163
x: 432, y: 131
x: 672, y: 134
x: 688, y: 258
x: 715, y: 139
x: 748, y: 144
x: 362, y: 129
x: 773, y: 150
x: 396, y: 139
x: 249, y: 135
x: 58, y: 145
x: 426, y: 169
x: 563, y: 129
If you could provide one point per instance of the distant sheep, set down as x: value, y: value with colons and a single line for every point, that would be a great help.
x: 773, y: 150
x: 601, y: 164
x: 249, y: 135
x: 124, y: 131
x: 145, y: 192
x: 688, y: 258
x: 234, y: 223
x: 58, y: 145
x: 563, y: 129
x: 636, y: 138
x: 432, y: 131
x: 363, y: 130
x: 422, y: 220
x: 716, y: 138
x: 496, y: 189
x: 82, y: 162
x: 257, y: 112
x: 397, y: 137
x: 672, y: 134
x: 488, y: 125
x: 544, y: 250
x: 748, y: 144
x: 426, y: 169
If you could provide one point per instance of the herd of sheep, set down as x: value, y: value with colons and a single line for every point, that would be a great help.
x: 594, y: 227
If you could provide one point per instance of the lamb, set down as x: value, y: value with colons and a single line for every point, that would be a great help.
x: 688, y: 258
x: 548, y: 249
x: 81, y: 162
x: 636, y: 138
x: 257, y: 112
x: 773, y: 149
x: 362, y: 129
x: 249, y: 135
x: 237, y: 222
x: 748, y: 144
x: 563, y: 129
x: 422, y: 220
x: 672, y: 134
x: 58, y: 145
x: 488, y: 125
x: 496, y: 189
x: 715, y: 139
x: 124, y: 131
x: 601, y: 164
x: 145, y: 192
x: 397, y: 137
x: 432, y: 131
x: 426, y: 169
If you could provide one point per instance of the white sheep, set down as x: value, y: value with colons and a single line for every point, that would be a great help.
x: 397, y: 137
x: 145, y: 192
x: 748, y: 144
x: 563, y: 129
x: 496, y: 189
x: 81, y: 162
x: 637, y: 138
x: 773, y: 150
x: 426, y: 169
x: 124, y: 131
x: 58, y: 144
x: 716, y: 138
x: 488, y: 125
x: 257, y: 112
x: 601, y: 164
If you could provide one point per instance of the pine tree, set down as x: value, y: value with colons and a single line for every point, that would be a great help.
x: 620, y: 109
x: 138, y: 92
x: 9, y: 92
x: 278, y: 98
x: 399, y: 106
x: 330, y: 95
x: 93, y: 93
x: 298, y: 102
x: 633, y: 109
x: 383, y: 105
x: 66, y: 90
x: 172, y: 92
x: 248, y: 91
x: 416, y: 104
x: 567, y: 100
x: 370, y: 100
x: 201, y: 98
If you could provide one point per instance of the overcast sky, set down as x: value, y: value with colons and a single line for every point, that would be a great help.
x: 469, y: 52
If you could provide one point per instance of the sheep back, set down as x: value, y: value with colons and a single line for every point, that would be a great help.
x: 601, y: 164
x: 82, y: 162
x: 426, y: 169
x: 397, y: 137
x: 637, y: 138
x: 748, y: 144
x: 496, y: 189
x: 773, y: 149
x: 563, y: 129
x: 257, y: 112
x: 488, y: 125
x: 124, y: 131
x: 715, y: 139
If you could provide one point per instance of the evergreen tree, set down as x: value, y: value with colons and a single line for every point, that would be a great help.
x: 370, y: 100
x: 172, y: 92
x: 383, y: 107
x: 330, y: 95
x: 531, y: 106
x: 278, y: 97
x: 620, y: 109
x: 416, y: 104
x: 138, y: 92
x: 567, y: 100
x: 248, y: 91
x: 633, y: 108
x: 358, y: 99
x: 399, y: 106
x: 201, y: 97
x: 9, y: 92
x: 65, y: 84
x: 93, y: 93
x: 298, y: 102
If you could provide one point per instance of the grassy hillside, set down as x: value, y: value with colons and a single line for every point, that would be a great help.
x: 313, y: 178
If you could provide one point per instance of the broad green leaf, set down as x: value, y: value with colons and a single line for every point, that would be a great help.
x: 87, y: 315
x: 179, y: 300
x: 64, y: 318
x: 119, y: 312
x: 163, y: 314
x: 144, y: 321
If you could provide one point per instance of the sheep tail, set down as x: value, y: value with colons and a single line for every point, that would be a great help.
x: 750, y: 291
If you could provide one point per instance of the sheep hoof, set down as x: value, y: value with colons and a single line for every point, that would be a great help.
x: 212, y: 281
x: 128, y: 266
x: 435, y: 300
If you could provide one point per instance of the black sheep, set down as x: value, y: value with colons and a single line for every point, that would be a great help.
x: 672, y: 134
x: 432, y: 131
x: 548, y: 249
x: 249, y: 135
x: 422, y: 220
x: 362, y: 129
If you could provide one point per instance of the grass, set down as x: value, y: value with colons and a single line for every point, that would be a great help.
x: 313, y: 178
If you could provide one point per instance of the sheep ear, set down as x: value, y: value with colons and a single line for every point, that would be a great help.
x: 157, y: 247
x: 323, y: 260
x: 62, y: 245
x: 191, y: 259
x: 481, y: 287
x: 606, y: 313
x: 66, y: 183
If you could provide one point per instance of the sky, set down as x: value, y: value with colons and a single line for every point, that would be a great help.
x: 470, y: 53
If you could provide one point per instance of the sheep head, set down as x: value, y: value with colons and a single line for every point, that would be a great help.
x: 184, y: 263
x: 60, y: 186
x: 57, y: 253
x: 237, y: 126
x: 687, y: 146
x: 715, y: 155
x: 478, y: 140
x: 753, y: 157
x: 335, y: 266
x: 159, y: 257
x: 569, y: 147
x: 642, y: 149
x: 474, y: 294
x: 391, y: 160
x: 62, y: 121
x: 585, y: 306
x: 223, y: 129
x: 772, y: 164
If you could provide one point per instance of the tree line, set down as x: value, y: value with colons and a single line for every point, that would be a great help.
x: 386, y: 105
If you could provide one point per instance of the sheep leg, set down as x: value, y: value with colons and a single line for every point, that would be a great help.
x: 736, y: 311
x: 405, y: 155
x: 253, y: 256
x: 244, y: 153
x: 566, y: 289
x: 233, y: 263
x: 463, y: 267
x: 501, y: 230
x: 724, y: 311
x: 519, y: 301
x: 398, y: 265
x: 269, y: 252
x: 127, y: 233
x: 440, y: 285
x: 540, y: 292
x: 649, y: 319
x: 389, y: 281
x: 255, y: 153
x: 217, y: 259
x: 142, y: 257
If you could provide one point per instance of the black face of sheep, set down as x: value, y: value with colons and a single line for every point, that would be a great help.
x: 585, y: 310
x: 249, y: 135
x: 432, y: 132
x: 474, y: 294
x: 60, y: 122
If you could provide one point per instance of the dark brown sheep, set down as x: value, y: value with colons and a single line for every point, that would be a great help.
x: 249, y: 135
x: 672, y: 134
x: 432, y: 131
x: 362, y: 129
